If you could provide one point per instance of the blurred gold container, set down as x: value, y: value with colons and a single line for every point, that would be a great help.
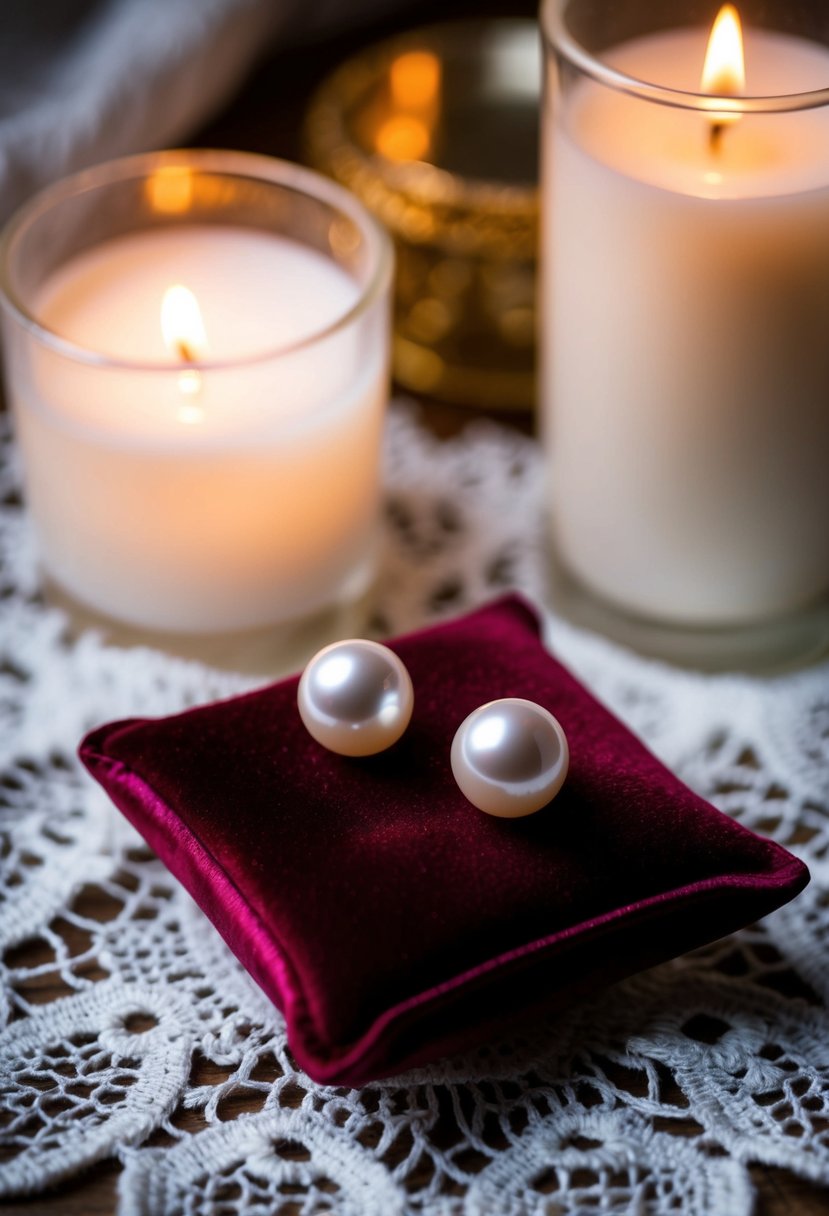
x: 437, y: 132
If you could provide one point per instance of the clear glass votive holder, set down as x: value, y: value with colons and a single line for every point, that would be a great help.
x: 685, y: 379
x: 201, y: 460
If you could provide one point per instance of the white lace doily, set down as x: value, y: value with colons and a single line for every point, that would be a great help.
x: 653, y: 1098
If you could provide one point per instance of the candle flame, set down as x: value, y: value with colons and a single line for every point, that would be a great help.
x: 183, y: 329
x: 724, y: 72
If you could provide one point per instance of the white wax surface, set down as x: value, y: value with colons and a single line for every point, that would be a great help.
x: 765, y: 154
x: 686, y: 373
x: 256, y: 292
x: 250, y: 501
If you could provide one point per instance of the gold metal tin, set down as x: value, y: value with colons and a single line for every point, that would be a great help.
x: 437, y: 132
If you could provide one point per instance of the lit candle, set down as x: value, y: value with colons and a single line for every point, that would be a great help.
x: 200, y: 414
x: 687, y: 311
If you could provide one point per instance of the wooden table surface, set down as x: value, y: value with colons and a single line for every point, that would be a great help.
x: 266, y: 117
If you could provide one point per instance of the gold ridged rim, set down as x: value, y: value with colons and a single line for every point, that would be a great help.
x: 414, y: 189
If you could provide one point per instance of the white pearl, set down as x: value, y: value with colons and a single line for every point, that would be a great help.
x: 355, y: 697
x: 510, y: 757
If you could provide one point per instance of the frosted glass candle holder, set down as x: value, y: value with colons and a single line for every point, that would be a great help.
x: 202, y: 459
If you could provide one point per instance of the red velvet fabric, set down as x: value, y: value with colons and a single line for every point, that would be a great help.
x: 388, y: 919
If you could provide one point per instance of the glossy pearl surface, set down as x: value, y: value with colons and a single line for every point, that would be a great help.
x: 510, y: 757
x: 355, y: 697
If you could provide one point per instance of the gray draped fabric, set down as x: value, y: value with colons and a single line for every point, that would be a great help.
x: 85, y: 80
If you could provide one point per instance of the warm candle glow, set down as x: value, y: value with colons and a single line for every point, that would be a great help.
x: 403, y: 137
x: 170, y: 189
x: 414, y: 87
x: 415, y: 80
x: 724, y: 72
x: 184, y: 336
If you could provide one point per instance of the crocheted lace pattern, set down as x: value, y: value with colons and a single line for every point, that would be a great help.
x: 129, y: 1031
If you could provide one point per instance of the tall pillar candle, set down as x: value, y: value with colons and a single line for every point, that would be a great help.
x: 198, y: 376
x: 686, y: 301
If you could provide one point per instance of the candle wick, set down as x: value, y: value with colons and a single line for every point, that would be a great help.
x: 715, y: 137
x: 189, y: 382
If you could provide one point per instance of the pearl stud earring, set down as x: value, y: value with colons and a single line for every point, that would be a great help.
x: 510, y: 757
x: 355, y: 697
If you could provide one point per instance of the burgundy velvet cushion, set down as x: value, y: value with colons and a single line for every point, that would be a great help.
x: 389, y: 920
